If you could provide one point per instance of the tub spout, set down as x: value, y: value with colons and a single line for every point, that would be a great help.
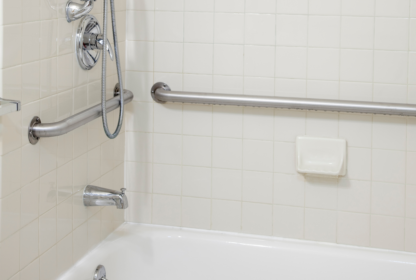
x: 121, y: 200
x: 97, y: 196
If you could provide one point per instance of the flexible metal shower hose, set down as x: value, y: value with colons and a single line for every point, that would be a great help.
x: 104, y: 73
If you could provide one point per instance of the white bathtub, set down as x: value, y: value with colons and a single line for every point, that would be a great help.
x: 142, y: 252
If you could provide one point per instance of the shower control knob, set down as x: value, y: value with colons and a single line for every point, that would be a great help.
x: 96, y: 41
x: 89, y: 43
x: 109, y: 47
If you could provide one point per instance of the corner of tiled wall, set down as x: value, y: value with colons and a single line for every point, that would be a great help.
x: 44, y: 227
x: 232, y: 168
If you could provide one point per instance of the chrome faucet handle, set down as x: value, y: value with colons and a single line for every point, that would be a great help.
x: 89, y: 42
x: 123, y: 190
x: 94, y: 41
x: 76, y: 11
x: 110, y: 50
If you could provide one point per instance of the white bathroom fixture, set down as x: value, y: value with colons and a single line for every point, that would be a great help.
x: 150, y: 252
x: 321, y: 156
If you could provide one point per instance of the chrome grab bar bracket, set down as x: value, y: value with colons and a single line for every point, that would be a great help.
x: 32, y: 138
x: 157, y: 86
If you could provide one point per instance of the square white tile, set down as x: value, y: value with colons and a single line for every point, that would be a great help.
x: 353, y: 229
x: 226, y: 215
x: 387, y: 232
x: 257, y: 218
x: 258, y: 187
x: 196, y: 213
x: 320, y: 225
x: 288, y: 221
x: 227, y: 153
x: 227, y: 184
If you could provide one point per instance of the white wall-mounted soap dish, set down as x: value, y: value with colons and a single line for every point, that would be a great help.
x: 321, y: 156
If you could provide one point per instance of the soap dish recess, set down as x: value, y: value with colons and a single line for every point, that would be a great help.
x: 321, y: 156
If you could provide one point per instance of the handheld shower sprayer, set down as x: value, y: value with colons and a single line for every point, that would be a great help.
x: 89, y: 43
x: 104, y: 76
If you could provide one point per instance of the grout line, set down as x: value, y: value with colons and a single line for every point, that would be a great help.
x: 153, y: 121
x: 406, y: 134
x: 274, y: 124
x: 338, y: 119
x: 372, y: 132
x: 182, y: 106
x: 212, y: 117
x: 306, y: 117
x: 261, y: 45
x: 223, y: 12
x: 260, y: 77
x: 243, y: 116
x: 285, y: 205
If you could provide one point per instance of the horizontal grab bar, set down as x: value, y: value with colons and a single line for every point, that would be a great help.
x: 161, y: 93
x: 37, y: 129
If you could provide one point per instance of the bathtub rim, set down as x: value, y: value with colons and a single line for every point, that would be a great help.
x: 130, y: 228
x: 265, y: 238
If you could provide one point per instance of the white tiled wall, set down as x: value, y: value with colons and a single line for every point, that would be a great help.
x: 232, y: 168
x: 44, y: 227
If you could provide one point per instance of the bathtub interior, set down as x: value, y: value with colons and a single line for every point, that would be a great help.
x: 139, y: 251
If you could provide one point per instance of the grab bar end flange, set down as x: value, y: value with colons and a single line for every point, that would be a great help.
x: 32, y: 138
x: 157, y: 86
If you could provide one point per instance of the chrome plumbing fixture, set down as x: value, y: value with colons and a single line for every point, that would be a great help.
x: 161, y: 93
x: 104, y: 73
x: 100, y: 273
x: 97, y: 196
x: 76, y: 10
x: 37, y: 129
x: 89, y: 42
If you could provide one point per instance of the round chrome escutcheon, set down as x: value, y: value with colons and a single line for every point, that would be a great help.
x: 87, y: 58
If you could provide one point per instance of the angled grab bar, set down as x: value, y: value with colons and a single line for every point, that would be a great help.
x: 161, y: 93
x: 37, y: 129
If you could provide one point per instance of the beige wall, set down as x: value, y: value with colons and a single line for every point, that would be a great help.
x: 44, y: 227
x: 232, y: 168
